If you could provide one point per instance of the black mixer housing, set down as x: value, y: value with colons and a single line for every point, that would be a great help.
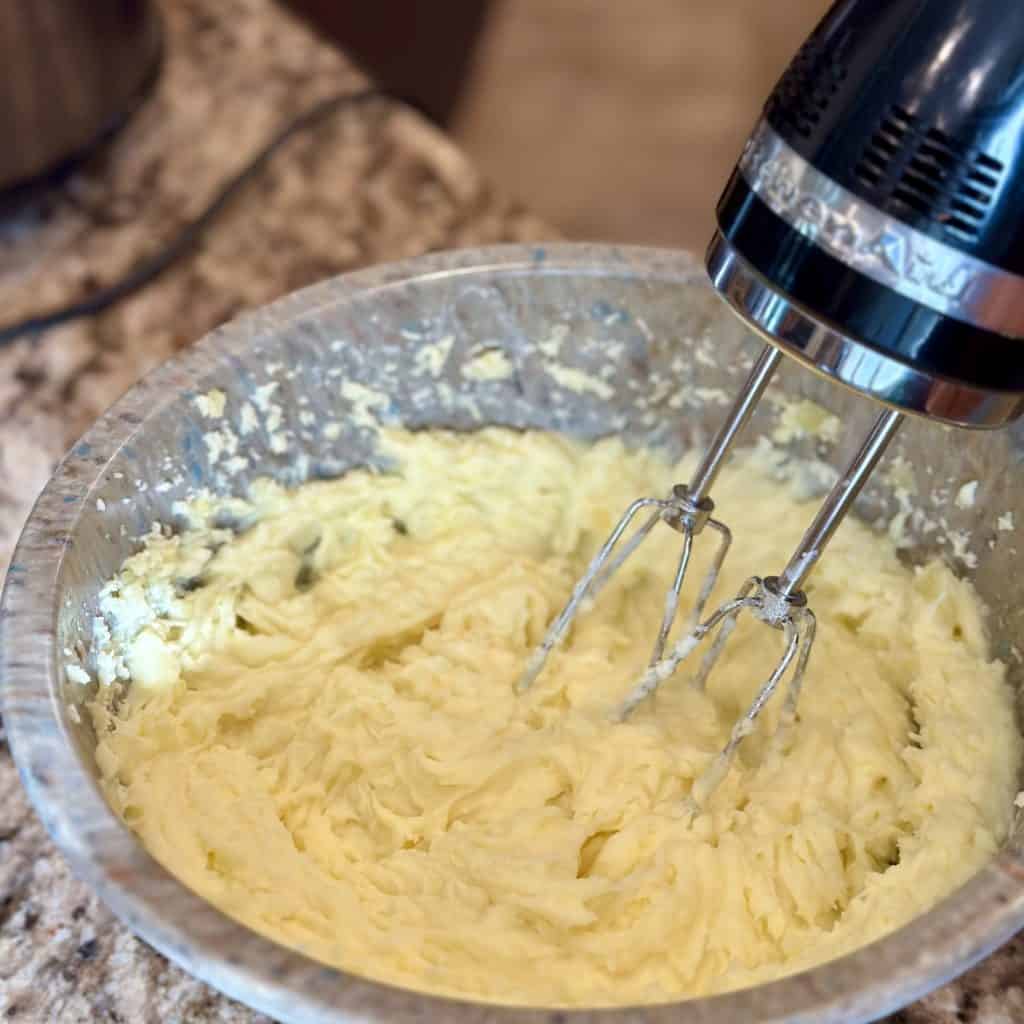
x: 883, y: 191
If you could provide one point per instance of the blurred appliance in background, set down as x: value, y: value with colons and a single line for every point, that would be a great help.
x: 419, y: 51
x: 71, y: 72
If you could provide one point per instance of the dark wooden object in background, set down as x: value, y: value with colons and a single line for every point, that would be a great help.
x: 420, y: 50
x: 71, y: 73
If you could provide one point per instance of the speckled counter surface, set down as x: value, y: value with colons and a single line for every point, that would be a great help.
x: 371, y: 183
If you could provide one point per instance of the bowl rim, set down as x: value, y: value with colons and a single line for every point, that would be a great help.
x: 283, y: 983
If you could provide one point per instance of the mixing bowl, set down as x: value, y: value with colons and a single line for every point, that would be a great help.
x: 597, y: 341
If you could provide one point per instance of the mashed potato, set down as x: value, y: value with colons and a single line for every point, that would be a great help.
x: 323, y: 736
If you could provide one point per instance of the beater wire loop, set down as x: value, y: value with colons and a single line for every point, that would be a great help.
x: 679, y: 512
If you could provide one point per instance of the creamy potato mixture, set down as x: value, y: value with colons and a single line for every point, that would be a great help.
x: 323, y: 736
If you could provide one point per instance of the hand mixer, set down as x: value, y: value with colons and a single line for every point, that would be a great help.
x: 873, y: 229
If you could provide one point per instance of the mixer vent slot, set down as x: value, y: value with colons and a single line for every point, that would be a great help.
x: 808, y: 86
x: 911, y: 166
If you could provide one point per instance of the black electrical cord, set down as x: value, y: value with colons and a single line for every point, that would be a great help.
x: 156, y: 263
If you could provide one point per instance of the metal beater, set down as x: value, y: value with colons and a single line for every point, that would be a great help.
x: 873, y: 229
x: 776, y: 601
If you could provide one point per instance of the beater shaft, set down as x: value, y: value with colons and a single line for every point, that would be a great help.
x: 837, y: 503
x: 743, y: 408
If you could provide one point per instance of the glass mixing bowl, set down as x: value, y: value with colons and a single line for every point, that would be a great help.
x: 623, y: 316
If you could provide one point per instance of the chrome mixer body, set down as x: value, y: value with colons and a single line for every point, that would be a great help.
x: 873, y: 230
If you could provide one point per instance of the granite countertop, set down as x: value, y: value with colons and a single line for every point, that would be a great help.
x: 371, y: 183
